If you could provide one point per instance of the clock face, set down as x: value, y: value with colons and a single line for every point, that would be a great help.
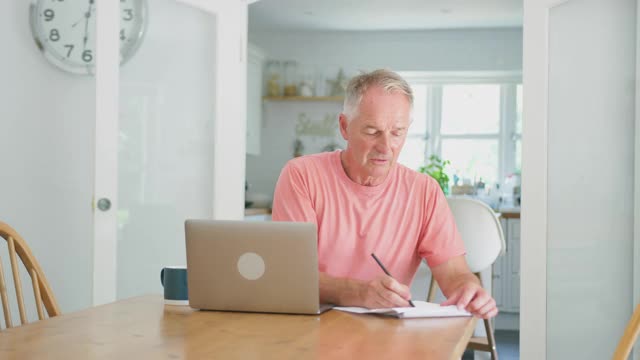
x: 65, y: 31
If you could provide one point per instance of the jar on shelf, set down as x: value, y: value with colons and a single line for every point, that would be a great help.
x: 307, y: 85
x: 274, y: 78
x: 290, y: 78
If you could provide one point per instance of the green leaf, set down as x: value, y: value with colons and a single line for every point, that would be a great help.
x: 436, y: 169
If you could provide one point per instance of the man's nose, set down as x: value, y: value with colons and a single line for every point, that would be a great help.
x: 384, y: 144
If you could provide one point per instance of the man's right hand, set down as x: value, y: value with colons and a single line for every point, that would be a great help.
x: 385, y: 292
x: 381, y: 292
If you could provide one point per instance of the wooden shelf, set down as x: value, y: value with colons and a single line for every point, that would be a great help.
x: 304, y: 98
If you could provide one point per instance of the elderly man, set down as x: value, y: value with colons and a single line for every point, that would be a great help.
x: 364, y: 202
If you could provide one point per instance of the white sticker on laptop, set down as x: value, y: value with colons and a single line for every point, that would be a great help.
x: 251, y: 266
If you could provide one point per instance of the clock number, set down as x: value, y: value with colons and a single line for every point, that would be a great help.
x: 86, y: 56
x: 129, y: 15
x: 54, y: 35
x: 122, y: 36
x: 70, y: 47
x: 49, y: 15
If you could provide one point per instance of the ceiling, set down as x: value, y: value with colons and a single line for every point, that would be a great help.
x: 371, y: 15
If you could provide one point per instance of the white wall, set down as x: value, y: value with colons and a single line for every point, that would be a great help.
x: 327, y: 52
x: 590, y: 176
x: 445, y: 50
x: 46, y: 152
x: 278, y: 135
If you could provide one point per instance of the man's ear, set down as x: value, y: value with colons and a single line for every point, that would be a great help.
x: 344, y: 123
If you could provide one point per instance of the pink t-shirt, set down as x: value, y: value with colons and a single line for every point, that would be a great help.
x: 402, y: 220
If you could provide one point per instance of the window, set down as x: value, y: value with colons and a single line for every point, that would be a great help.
x: 475, y: 122
x: 414, y: 150
x: 517, y: 134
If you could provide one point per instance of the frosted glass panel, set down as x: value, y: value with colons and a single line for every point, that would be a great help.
x: 165, y: 146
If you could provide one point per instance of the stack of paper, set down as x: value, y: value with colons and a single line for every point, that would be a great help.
x: 421, y: 309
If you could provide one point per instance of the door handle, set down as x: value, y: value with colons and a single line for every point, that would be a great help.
x: 104, y: 204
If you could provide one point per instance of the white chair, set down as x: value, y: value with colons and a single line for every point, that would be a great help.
x: 483, y: 238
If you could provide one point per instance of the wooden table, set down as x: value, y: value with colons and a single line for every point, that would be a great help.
x: 144, y: 328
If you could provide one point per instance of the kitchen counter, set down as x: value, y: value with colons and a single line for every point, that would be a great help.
x: 510, y: 214
x: 506, y: 211
x: 257, y: 211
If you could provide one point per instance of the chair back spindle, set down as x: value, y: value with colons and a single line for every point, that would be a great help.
x: 16, y: 279
x: 36, y: 293
x: 4, y: 298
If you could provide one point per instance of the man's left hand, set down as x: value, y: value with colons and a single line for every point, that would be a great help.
x: 472, y: 297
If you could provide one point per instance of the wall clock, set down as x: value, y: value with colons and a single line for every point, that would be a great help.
x: 64, y: 30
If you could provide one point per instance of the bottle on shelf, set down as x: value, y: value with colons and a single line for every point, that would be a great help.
x: 290, y: 78
x: 274, y: 78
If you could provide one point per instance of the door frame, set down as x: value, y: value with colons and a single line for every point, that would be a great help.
x: 636, y: 187
x: 534, y: 227
x: 106, y: 154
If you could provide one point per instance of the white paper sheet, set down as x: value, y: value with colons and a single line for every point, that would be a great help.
x: 422, y: 309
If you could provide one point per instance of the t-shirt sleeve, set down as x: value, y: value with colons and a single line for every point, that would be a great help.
x: 441, y: 240
x: 291, y: 199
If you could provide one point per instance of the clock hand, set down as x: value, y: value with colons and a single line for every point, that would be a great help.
x: 86, y: 25
x: 77, y: 22
x: 84, y: 16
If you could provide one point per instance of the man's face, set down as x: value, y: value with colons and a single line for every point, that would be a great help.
x: 376, y: 133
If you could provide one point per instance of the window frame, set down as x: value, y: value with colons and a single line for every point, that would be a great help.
x: 507, y: 136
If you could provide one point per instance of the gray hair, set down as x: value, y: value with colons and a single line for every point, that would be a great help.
x: 358, y: 85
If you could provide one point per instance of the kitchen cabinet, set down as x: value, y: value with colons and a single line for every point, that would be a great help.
x: 506, y: 274
x: 255, y: 60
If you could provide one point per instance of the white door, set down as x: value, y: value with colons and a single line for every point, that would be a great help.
x: 161, y: 156
x: 578, y: 158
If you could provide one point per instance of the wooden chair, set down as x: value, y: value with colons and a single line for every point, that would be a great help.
x: 484, y: 241
x: 41, y: 289
x: 629, y: 337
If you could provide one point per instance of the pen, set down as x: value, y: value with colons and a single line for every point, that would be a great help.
x: 387, y: 272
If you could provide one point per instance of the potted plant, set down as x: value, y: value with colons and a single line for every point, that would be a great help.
x: 435, y: 168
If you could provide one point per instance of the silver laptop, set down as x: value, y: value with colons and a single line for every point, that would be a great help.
x: 253, y: 266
